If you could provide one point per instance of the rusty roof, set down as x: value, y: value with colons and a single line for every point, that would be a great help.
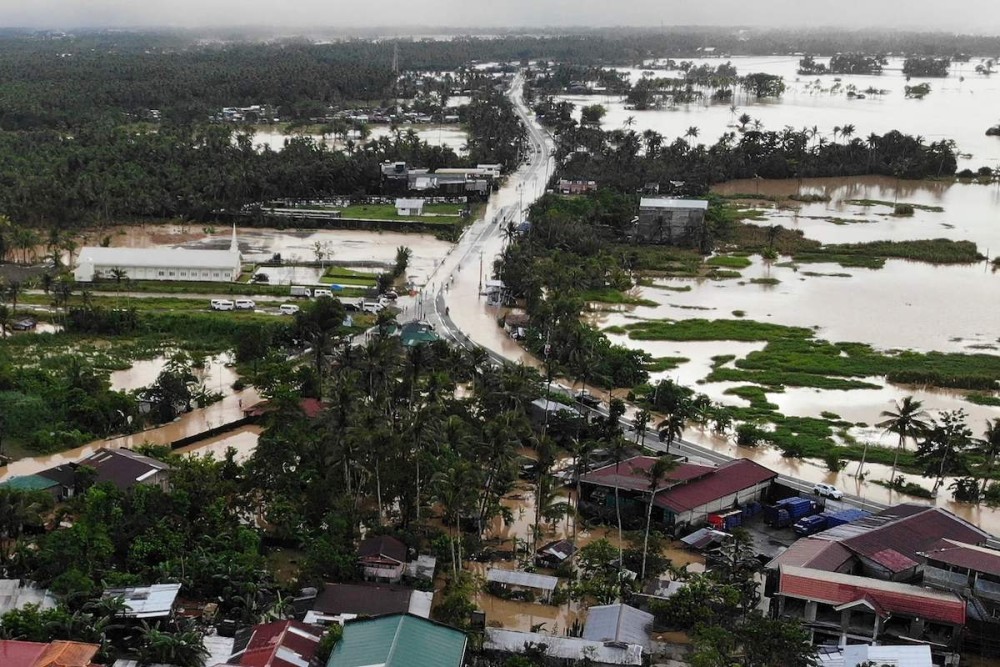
x: 906, y: 530
x: 971, y: 557
x: 885, y: 597
x: 67, y: 654
x: 633, y: 474
x: 20, y: 654
x: 281, y: 644
x: 813, y: 554
x: 727, y: 479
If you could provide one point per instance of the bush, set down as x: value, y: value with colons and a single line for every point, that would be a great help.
x: 903, y: 209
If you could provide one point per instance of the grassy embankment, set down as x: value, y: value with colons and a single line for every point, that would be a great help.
x: 338, y: 275
x: 445, y: 214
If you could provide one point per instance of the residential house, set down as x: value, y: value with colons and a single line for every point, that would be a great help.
x: 885, y: 545
x: 564, y: 651
x: 146, y: 602
x: 684, y: 496
x: 126, y: 469
x: 338, y: 603
x: 398, y: 641
x: 554, y: 554
x: 382, y: 558
x: 409, y: 207
x: 54, y: 654
x: 671, y: 222
x: 618, y: 623
x: 566, y: 187
x: 843, y: 609
x: 279, y: 644
x: 526, y: 584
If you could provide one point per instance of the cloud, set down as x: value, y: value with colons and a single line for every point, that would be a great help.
x: 975, y: 15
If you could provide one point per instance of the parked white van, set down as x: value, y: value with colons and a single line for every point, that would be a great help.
x: 372, y: 307
x: 288, y: 309
x: 319, y: 291
x: 245, y: 304
x: 222, y: 304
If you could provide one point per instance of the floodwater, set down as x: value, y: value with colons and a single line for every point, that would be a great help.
x: 216, y: 373
x: 960, y: 107
x: 377, y: 249
x: 449, y: 136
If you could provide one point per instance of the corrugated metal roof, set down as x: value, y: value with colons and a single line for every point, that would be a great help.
x: 181, y: 258
x: 814, y: 554
x: 20, y: 654
x: 566, y: 648
x: 362, y: 599
x: 67, y: 654
x: 29, y: 483
x: 382, y: 547
x: 146, y: 601
x: 122, y: 467
x: 906, y: 529
x: 527, y: 579
x: 421, y: 603
x: 281, y: 644
x: 633, y: 474
x: 669, y: 202
x: 398, y: 641
x: 893, y: 560
x: 729, y: 478
x: 893, y: 656
x: 14, y: 595
x: 618, y: 623
x: 838, y: 589
x: 969, y: 556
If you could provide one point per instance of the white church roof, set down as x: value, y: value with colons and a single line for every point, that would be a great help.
x: 158, y: 257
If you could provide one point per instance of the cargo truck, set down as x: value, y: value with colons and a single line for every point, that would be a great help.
x: 300, y: 291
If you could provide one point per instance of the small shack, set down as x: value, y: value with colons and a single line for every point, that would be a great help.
x: 409, y: 206
x: 515, y: 581
x: 382, y: 558
x: 554, y: 554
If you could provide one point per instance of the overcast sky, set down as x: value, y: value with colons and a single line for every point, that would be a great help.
x: 981, y: 16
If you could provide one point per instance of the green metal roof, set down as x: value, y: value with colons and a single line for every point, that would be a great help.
x: 29, y: 483
x: 398, y: 641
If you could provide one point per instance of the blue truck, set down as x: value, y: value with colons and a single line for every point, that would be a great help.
x: 787, y: 511
x: 813, y: 524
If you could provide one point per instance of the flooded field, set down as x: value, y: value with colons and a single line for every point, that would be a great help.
x: 960, y: 107
x: 259, y: 244
x: 450, y: 136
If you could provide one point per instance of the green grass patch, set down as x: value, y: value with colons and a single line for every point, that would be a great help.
x: 616, y: 329
x: 611, y: 295
x: 706, y: 330
x: 433, y: 213
x: 816, y: 274
x: 188, y: 287
x: 826, y: 414
x: 893, y: 205
x: 765, y: 281
x: 720, y: 360
x: 755, y: 395
x: 908, y: 488
x: 739, y: 313
x: 984, y: 399
x: 729, y: 261
x: 717, y: 274
x: 873, y: 254
x: 660, y: 364
x: 669, y: 288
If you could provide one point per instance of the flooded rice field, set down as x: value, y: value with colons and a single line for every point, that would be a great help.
x: 448, y: 136
x: 960, y: 107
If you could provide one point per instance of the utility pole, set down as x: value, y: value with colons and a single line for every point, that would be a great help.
x: 480, y: 272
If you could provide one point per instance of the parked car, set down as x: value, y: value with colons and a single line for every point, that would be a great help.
x: 587, y: 399
x: 319, y: 291
x: 24, y: 324
x: 288, y: 309
x: 372, y: 307
x: 222, y: 304
x: 245, y: 304
x: 828, y: 491
x: 391, y: 295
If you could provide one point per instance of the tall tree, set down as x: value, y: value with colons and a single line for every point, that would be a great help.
x: 908, y: 420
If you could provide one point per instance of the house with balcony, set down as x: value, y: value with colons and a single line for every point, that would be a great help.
x: 382, y: 558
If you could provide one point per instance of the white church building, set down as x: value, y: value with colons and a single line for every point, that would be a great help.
x: 94, y: 263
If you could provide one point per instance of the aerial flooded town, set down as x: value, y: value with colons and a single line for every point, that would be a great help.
x: 551, y: 344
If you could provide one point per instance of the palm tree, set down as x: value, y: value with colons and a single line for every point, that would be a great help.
x: 836, y: 131
x: 629, y: 122
x: 909, y: 420
x: 452, y: 488
x: 847, y: 132
x: 692, y: 132
x: 641, y: 422
x: 671, y: 428
x: 990, y: 448
x: 744, y: 120
x: 656, y: 472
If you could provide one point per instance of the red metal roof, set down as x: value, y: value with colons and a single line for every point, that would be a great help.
x: 273, y: 643
x: 891, y: 598
x: 893, y: 560
x: 67, y: 654
x: 907, y: 529
x: 725, y: 480
x: 20, y: 654
x: 633, y: 474
x: 979, y: 559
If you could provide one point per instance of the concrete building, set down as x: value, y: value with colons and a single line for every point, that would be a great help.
x: 844, y: 609
x: 671, y: 222
x: 217, y: 266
